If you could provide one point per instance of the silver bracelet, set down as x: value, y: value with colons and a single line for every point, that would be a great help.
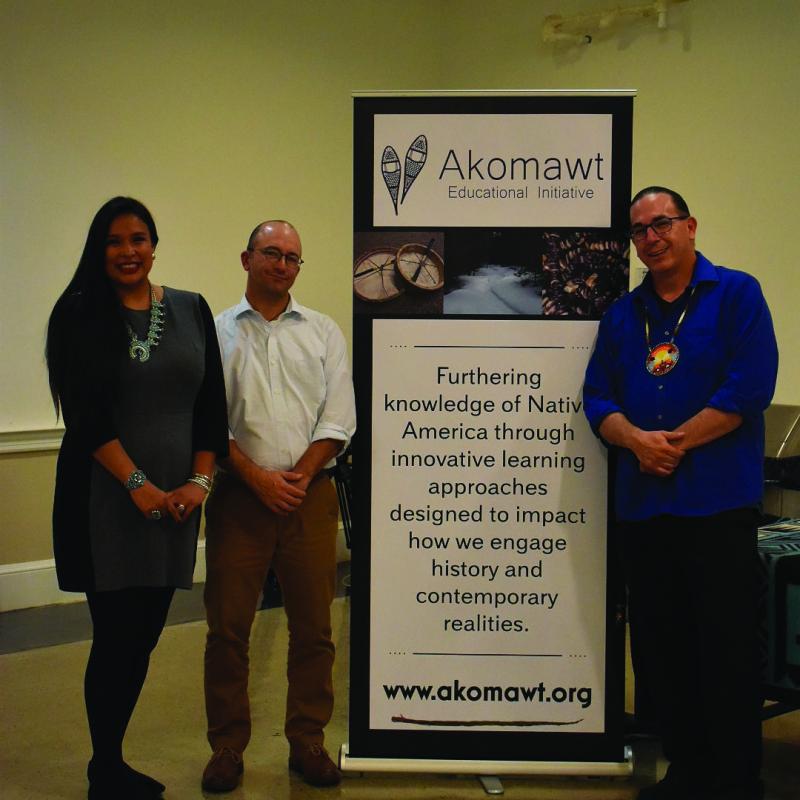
x: 136, y: 480
x: 203, y: 481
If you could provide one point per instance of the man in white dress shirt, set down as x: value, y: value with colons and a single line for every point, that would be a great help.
x: 290, y: 411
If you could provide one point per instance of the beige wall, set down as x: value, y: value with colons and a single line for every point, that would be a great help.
x: 27, y: 481
x: 715, y: 117
x: 218, y: 115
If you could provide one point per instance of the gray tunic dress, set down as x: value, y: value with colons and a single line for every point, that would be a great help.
x: 162, y: 410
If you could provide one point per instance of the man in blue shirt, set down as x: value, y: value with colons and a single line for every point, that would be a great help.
x: 682, y: 371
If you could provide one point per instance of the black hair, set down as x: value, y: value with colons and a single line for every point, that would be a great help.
x: 89, y: 303
x: 680, y: 203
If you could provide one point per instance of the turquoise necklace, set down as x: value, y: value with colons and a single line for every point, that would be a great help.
x: 140, y: 350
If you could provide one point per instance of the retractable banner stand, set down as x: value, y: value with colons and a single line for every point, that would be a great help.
x: 490, y: 235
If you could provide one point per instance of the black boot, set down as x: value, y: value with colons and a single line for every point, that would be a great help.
x: 120, y: 781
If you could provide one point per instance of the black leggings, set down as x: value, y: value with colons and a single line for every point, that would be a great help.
x: 127, y: 624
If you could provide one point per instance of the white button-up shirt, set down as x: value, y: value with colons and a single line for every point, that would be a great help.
x: 287, y: 381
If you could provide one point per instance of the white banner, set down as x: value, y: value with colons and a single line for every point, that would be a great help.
x: 509, y: 170
x: 488, y: 519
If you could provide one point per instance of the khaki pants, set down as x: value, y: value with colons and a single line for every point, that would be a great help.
x: 243, y: 539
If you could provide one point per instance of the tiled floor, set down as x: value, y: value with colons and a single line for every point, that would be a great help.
x: 44, y: 743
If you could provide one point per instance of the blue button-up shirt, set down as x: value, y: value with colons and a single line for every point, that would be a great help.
x: 728, y: 361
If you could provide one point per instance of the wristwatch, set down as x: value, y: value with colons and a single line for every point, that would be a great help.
x: 135, y: 480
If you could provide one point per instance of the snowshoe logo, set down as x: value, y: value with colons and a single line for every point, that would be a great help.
x: 416, y: 156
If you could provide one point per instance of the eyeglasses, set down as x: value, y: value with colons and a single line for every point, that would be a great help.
x: 274, y: 256
x: 661, y: 227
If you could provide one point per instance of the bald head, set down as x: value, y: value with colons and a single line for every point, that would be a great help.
x: 270, y: 223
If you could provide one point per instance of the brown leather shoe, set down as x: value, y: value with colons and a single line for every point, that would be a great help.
x: 314, y: 764
x: 223, y: 771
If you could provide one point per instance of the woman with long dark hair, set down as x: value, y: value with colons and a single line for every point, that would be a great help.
x: 135, y: 370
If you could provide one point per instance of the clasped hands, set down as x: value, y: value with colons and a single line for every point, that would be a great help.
x: 658, y: 452
x: 281, y: 491
x: 178, y: 503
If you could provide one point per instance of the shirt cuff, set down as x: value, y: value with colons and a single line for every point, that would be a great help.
x: 733, y: 402
x: 598, y: 412
x: 331, y: 432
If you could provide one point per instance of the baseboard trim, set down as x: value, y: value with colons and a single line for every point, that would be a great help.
x: 30, y: 584
x: 33, y: 583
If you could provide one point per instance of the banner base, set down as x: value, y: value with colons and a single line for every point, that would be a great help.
x: 609, y: 769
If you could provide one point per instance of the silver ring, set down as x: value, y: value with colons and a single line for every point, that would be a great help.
x: 155, y: 514
x: 181, y: 508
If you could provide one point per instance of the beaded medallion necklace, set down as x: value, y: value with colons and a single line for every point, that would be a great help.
x: 662, y: 358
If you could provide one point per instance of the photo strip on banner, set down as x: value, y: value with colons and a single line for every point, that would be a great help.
x: 490, y: 235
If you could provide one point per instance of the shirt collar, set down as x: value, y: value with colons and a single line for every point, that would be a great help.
x: 293, y: 309
x: 704, y: 272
